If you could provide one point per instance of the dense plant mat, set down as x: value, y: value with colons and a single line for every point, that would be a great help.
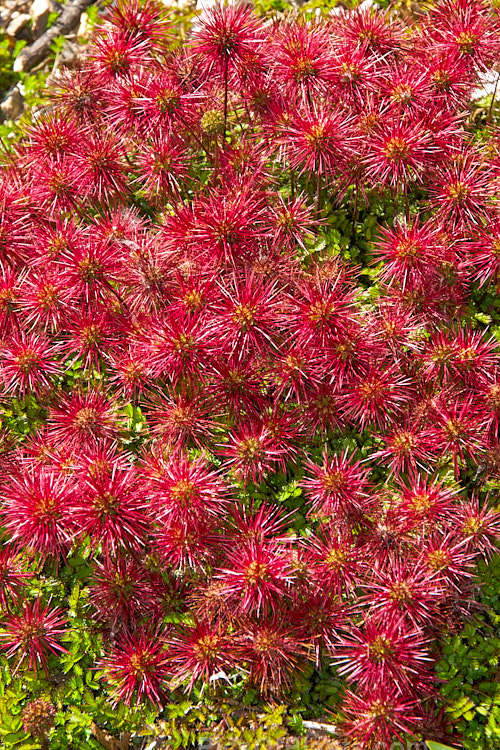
x: 249, y: 375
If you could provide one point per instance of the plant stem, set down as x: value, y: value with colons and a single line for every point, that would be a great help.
x: 226, y: 83
x: 216, y: 156
x: 490, y: 110
x: 318, y: 193
x: 193, y: 134
x: 354, y: 210
x: 117, y: 295
x: 308, y: 95
x: 393, y: 201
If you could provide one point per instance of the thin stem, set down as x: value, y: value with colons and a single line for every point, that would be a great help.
x: 393, y: 201
x: 490, y: 110
x: 193, y: 134
x: 308, y: 95
x: 226, y: 85
x: 238, y: 120
x: 318, y: 193
x: 120, y: 299
x: 354, y: 210
x: 249, y: 118
x: 216, y: 154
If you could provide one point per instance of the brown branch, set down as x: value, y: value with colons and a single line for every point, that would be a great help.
x: 107, y: 740
x: 32, y: 55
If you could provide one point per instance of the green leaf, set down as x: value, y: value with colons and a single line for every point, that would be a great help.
x: 57, y: 45
x: 437, y: 745
x: 20, y: 43
x: 16, y: 724
x: 53, y: 16
x: 14, y: 737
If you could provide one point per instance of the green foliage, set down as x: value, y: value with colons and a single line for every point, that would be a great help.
x: 470, y: 668
x: 251, y: 730
x: 308, y: 9
x: 53, y: 16
x: 271, y: 7
x: 22, y: 416
x: 9, y: 49
x: 57, y: 45
x: 31, y: 85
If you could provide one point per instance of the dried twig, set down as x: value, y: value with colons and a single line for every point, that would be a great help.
x: 35, y: 53
x: 320, y: 727
x: 107, y: 740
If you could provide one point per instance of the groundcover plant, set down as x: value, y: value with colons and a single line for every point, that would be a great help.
x: 249, y: 371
